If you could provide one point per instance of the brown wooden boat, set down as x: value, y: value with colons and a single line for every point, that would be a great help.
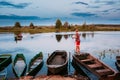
x: 118, y: 62
x: 57, y: 61
x: 101, y: 70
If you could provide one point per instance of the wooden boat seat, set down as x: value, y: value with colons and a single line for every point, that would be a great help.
x: 105, y: 72
x: 33, y: 66
x: 87, y: 60
x: 95, y: 65
x: 36, y: 63
x: 54, y: 66
x: 38, y: 60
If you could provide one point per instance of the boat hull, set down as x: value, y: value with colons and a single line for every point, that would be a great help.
x: 94, y: 70
x: 55, y: 67
x: 36, y: 70
x: 57, y: 70
x: 39, y: 59
x: 118, y: 62
x: 19, y: 65
x: 5, y: 60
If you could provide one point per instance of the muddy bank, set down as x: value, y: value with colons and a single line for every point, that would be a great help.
x: 53, y: 77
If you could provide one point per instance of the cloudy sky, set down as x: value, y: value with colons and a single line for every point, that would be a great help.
x: 91, y: 11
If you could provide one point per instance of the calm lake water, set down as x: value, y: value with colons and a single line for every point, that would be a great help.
x: 103, y: 45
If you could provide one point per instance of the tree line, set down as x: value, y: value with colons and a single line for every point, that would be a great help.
x: 59, y: 26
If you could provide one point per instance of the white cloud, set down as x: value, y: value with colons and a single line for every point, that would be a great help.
x: 63, y: 8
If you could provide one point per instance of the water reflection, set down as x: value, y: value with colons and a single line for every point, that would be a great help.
x: 67, y: 36
x: 18, y: 36
x: 109, y: 53
x: 93, y: 42
x: 58, y: 37
x: 84, y: 35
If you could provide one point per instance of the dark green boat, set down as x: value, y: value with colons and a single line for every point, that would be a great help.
x: 19, y: 65
x: 5, y: 60
x: 35, y: 64
x: 118, y: 62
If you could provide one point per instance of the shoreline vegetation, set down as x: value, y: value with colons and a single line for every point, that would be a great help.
x: 46, y: 29
x: 59, y: 27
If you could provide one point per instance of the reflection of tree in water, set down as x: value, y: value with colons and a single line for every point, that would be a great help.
x: 66, y: 36
x: 84, y: 35
x: 92, y: 34
x: 58, y: 37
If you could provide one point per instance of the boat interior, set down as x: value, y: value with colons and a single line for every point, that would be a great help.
x: 58, y: 59
x: 95, y: 64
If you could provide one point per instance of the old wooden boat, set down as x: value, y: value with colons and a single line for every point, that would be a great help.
x: 118, y: 62
x: 35, y: 64
x: 19, y: 65
x: 57, y: 61
x: 101, y: 70
x: 5, y: 60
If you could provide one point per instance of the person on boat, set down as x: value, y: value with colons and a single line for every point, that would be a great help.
x: 77, y: 41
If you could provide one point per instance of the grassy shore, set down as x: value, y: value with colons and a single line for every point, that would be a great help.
x: 46, y: 29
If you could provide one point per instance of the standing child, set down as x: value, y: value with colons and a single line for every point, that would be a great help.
x: 77, y: 42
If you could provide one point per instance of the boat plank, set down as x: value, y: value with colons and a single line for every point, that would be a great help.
x: 105, y: 72
x: 95, y: 65
x: 87, y: 60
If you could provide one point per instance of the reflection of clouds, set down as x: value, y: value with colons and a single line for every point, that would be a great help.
x: 47, y: 43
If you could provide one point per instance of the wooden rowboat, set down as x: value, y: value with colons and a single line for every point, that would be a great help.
x: 5, y: 60
x: 101, y: 70
x: 57, y: 61
x: 118, y: 62
x: 35, y: 64
x: 19, y: 65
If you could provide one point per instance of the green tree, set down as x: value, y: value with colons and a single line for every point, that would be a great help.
x: 84, y: 26
x: 58, y: 24
x: 66, y: 25
x: 17, y: 25
x: 32, y: 25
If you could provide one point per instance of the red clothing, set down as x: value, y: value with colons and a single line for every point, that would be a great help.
x: 77, y: 43
x: 77, y: 39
